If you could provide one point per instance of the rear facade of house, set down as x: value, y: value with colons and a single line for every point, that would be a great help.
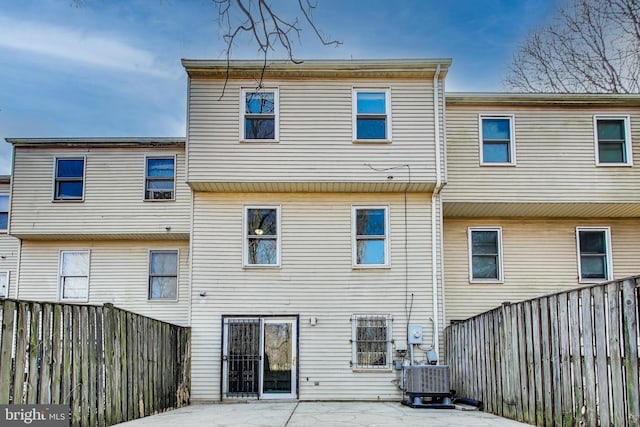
x: 317, y: 212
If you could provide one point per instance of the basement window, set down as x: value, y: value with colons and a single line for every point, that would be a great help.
x: 371, y: 339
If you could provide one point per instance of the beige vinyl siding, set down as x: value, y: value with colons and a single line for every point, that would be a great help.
x: 555, y: 156
x: 316, y: 141
x: 118, y: 274
x: 316, y: 279
x: 539, y: 257
x: 113, y: 205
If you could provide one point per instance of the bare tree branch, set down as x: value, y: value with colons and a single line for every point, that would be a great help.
x: 593, y: 46
x: 267, y: 27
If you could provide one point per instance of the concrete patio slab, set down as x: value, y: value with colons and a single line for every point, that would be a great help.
x: 307, y: 414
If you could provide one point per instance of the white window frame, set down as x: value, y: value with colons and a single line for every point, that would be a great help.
x: 512, y: 140
x: 354, y: 237
x: 628, y: 145
x: 500, y: 267
x: 60, y: 276
x: 54, y: 190
x: 6, y: 290
x: 146, y: 176
x: 608, y: 255
x: 164, y: 250
x: 354, y: 113
x: 6, y: 230
x: 245, y: 236
x: 276, y: 107
x: 389, y: 344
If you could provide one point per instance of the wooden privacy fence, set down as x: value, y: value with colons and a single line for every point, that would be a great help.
x: 108, y: 364
x: 565, y: 359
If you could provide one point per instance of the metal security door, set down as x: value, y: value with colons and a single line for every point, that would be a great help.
x: 241, y: 358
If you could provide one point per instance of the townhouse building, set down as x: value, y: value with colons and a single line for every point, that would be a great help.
x: 317, y: 215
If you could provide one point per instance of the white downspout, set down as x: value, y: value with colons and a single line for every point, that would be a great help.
x: 434, y: 207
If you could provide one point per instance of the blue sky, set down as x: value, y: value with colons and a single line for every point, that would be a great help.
x: 112, y: 67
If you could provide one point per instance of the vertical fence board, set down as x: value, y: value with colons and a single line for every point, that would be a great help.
x: 564, y: 354
x: 615, y: 355
x: 602, y: 369
x: 555, y: 361
x: 92, y: 361
x: 547, y: 378
x: 6, y: 363
x: 531, y: 372
x: 22, y: 356
x: 76, y: 382
x: 67, y: 331
x: 537, y: 358
x: 84, y: 362
x: 521, y: 344
x: 57, y: 351
x: 122, y: 315
x: 100, y: 368
x: 34, y: 353
x: 630, y: 314
x: 45, y: 363
x: 575, y: 334
x: 589, y: 366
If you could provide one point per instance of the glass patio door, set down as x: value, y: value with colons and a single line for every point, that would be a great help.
x: 278, y: 368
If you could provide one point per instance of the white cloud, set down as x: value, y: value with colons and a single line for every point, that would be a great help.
x: 78, y: 46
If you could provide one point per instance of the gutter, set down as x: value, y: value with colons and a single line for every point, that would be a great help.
x: 435, y: 202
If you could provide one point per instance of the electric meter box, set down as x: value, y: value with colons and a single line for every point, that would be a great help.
x: 415, y: 334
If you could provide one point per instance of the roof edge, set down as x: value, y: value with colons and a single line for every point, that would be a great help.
x: 566, y: 99
x: 98, y: 142
x: 315, y: 68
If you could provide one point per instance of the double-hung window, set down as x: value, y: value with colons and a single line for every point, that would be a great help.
x: 613, y: 141
x: 371, y: 115
x: 4, y: 213
x: 594, y: 254
x: 74, y: 276
x: 261, y: 231
x: 259, y: 115
x: 160, y: 178
x: 69, y: 179
x: 370, y: 236
x: 497, y: 141
x: 163, y: 275
x: 371, y: 341
x: 485, y: 254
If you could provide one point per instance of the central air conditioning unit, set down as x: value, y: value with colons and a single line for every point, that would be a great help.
x: 427, y: 380
x: 427, y: 387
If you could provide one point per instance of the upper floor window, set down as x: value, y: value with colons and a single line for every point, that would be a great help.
x: 74, y: 276
x: 160, y: 178
x: 370, y: 237
x: 613, y: 140
x: 262, y: 242
x: 371, y: 339
x: 69, y: 179
x: 594, y: 254
x: 259, y: 115
x: 371, y: 114
x: 4, y: 213
x: 497, y: 142
x: 485, y: 254
x: 163, y: 275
